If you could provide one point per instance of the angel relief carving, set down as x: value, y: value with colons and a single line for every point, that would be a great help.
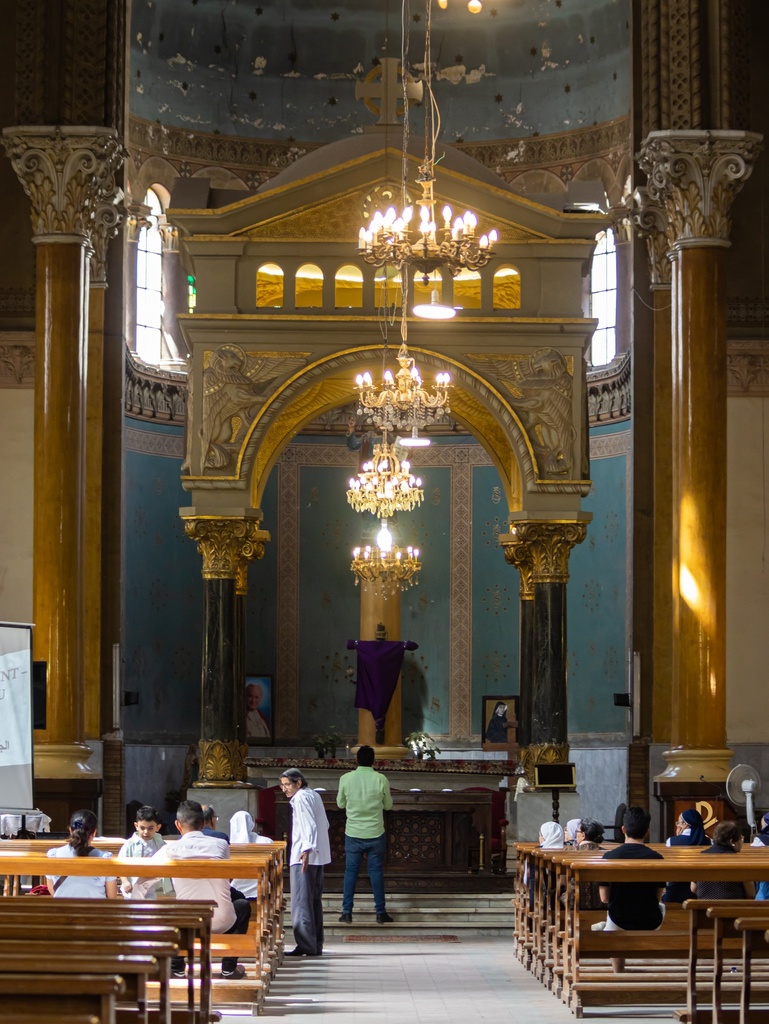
x: 235, y: 386
x: 541, y: 388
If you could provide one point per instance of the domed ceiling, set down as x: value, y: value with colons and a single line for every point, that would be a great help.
x: 287, y: 69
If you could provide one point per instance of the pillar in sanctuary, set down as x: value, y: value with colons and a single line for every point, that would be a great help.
x: 519, y: 555
x: 225, y: 543
x: 695, y: 176
x: 542, y: 548
x: 650, y: 222
x: 380, y: 619
x: 66, y: 172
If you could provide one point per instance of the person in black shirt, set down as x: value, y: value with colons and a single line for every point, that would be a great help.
x: 633, y: 906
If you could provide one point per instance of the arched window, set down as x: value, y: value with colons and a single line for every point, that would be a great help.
x: 308, y: 287
x: 603, y: 299
x: 348, y: 287
x: 269, y: 285
x: 467, y: 290
x: 507, y: 288
x: 149, y: 284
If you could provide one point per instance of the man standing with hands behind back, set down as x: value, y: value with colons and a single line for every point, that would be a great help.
x: 310, y: 850
x: 365, y: 795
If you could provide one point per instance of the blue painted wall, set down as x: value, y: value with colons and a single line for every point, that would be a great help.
x: 287, y: 68
x: 163, y: 590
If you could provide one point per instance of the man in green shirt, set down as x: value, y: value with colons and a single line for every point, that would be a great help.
x: 365, y: 795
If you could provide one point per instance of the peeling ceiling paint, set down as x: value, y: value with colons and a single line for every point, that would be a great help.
x: 288, y: 68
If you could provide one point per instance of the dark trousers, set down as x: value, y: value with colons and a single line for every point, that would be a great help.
x: 354, y: 849
x: 229, y: 963
x: 307, y: 908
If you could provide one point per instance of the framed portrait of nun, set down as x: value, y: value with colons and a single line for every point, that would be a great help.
x: 499, y: 723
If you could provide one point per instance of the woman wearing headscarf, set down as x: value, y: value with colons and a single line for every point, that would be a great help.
x: 551, y: 836
x: 727, y: 839
x: 762, y: 839
x: 690, y: 831
x: 570, y: 832
x: 242, y: 830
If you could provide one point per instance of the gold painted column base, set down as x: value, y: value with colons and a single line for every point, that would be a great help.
x: 222, y: 765
x: 686, y: 764
x: 541, y: 753
x: 395, y: 753
x: 62, y: 761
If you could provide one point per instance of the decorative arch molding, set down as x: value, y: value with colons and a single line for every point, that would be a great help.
x: 311, y: 391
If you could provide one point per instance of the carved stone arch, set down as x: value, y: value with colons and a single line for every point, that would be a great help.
x: 329, y: 383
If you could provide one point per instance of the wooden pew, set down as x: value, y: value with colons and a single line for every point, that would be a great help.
x: 47, y: 996
x: 255, y: 865
x: 755, y: 942
x: 191, y: 918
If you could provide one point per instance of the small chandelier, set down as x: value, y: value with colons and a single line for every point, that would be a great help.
x: 401, y: 402
x: 385, y: 485
x: 393, y: 568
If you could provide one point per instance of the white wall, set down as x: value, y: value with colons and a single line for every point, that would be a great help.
x: 747, y: 570
x: 16, y: 487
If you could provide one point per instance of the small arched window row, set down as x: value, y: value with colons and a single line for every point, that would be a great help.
x: 466, y: 287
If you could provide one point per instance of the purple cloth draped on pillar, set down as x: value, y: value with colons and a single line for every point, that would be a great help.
x: 379, y: 665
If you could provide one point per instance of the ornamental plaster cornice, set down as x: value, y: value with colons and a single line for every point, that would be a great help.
x: 695, y: 176
x: 66, y: 172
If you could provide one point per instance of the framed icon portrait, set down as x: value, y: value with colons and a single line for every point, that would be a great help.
x: 258, y: 705
x: 499, y: 723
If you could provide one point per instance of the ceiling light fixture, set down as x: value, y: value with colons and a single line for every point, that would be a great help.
x: 385, y: 485
x: 434, y: 309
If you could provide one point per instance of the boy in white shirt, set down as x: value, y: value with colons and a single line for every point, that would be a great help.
x: 145, y: 843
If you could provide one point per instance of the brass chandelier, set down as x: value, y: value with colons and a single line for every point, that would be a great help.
x: 401, y: 402
x: 392, y: 238
x: 385, y: 485
x: 392, y: 568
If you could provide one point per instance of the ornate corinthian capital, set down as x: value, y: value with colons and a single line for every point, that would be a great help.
x: 107, y: 220
x: 695, y: 176
x: 221, y: 764
x: 226, y: 543
x: 651, y: 224
x: 542, y: 547
x: 66, y: 172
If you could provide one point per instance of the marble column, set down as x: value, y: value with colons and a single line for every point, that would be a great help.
x: 66, y: 172
x: 650, y: 222
x: 543, y: 547
x: 225, y: 543
x: 695, y: 176
x: 519, y: 555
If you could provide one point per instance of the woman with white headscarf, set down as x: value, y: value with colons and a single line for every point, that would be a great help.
x: 570, y: 832
x: 242, y: 830
x: 551, y: 836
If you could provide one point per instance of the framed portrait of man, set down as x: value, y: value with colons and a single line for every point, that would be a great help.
x: 259, y: 717
x: 499, y: 723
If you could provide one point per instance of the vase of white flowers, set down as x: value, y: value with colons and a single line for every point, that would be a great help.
x: 422, y: 746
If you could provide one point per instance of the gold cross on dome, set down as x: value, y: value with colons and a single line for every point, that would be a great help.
x: 383, y: 83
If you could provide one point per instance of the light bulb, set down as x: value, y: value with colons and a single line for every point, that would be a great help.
x: 384, y: 538
x: 388, y: 377
x: 447, y: 215
x: 493, y: 235
x: 408, y: 213
x: 443, y: 4
x: 475, y: 6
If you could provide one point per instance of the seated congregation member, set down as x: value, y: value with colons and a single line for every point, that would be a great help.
x: 82, y: 829
x: 690, y: 831
x: 210, y: 821
x: 243, y: 830
x: 589, y: 835
x: 727, y: 839
x: 230, y: 917
x: 762, y: 839
x: 145, y: 842
x: 632, y: 906
x: 570, y: 832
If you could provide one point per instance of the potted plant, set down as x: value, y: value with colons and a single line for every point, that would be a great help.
x: 327, y: 742
x: 422, y: 745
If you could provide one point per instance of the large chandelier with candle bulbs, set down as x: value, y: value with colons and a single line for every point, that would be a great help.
x: 395, y: 236
x: 402, y: 402
x: 385, y: 485
x: 392, y: 568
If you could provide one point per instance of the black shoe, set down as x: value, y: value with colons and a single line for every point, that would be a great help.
x: 239, y: 972
x: 345, y: 918
x: 179, y: 974
x: 384, y: 918
x: 295, y: 952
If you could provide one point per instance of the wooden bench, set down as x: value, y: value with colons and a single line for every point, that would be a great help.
x: 258, y: 863
x: 48, y: 996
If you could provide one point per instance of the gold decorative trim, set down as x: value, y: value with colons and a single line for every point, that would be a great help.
x: 545, y: 545
x: 225, y: 542
x: 541, y: 753
x: 221, y: 763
